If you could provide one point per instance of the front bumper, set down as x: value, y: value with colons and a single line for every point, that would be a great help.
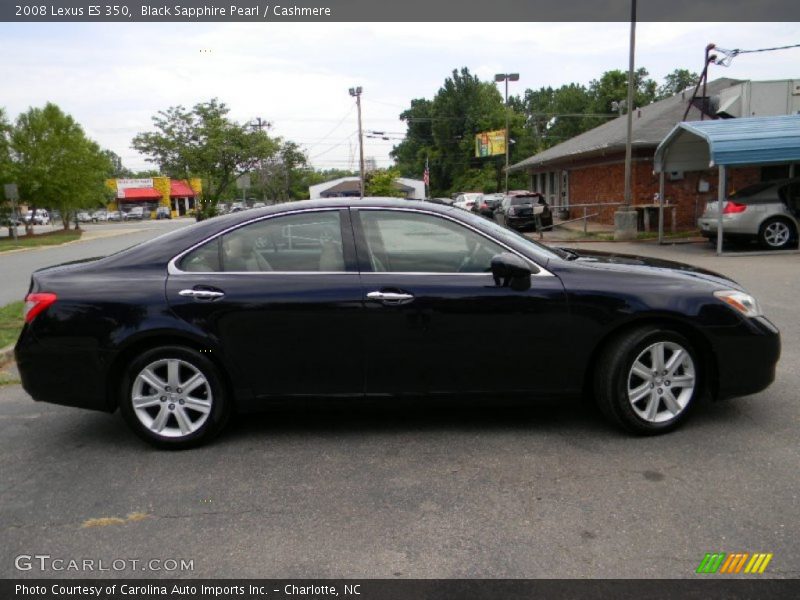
x: 746, y: 357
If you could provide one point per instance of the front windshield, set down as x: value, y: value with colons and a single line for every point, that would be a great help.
x: 509, y: 235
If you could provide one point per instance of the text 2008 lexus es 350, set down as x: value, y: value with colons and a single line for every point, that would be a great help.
x: 380, y: 298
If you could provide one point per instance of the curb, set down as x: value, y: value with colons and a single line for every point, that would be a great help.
x: 6, y: 355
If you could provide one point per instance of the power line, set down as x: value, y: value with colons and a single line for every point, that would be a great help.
x: 339, y: 124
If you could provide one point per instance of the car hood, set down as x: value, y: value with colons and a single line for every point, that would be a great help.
x: 629, y: 263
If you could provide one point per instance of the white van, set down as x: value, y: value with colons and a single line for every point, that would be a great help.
x: 137, y: 212
x: 40, y: 217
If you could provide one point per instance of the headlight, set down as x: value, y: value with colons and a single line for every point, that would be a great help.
x: 741, y: 302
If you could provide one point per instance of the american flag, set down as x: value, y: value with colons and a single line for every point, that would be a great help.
x: 426, y: 176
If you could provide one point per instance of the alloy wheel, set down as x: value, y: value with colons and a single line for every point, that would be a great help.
x: 777, y: 234
x: 171, y: 397
x: 661, y: 382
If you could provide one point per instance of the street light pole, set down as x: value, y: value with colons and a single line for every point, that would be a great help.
x: 356, y: 92
x: 506, y: 77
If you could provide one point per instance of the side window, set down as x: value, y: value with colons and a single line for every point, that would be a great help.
x: 204, y: 259
x: 404, y: 242
x: 302, y: 242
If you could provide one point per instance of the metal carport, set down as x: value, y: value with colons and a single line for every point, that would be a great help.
x: 723, y: 143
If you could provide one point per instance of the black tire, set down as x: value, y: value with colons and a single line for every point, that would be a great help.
x: 613, y: 374
x: 188, y: 359
x: 774, y: 226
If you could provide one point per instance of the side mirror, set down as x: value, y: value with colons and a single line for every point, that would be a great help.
x: 509, y: 270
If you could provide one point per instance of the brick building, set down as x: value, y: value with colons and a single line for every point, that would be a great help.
x: 589, y: 168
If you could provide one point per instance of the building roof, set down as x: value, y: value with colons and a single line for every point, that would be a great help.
x: 180, y: 189
x: 746, y: 141
x: 344, y: 187
x: 650, y: 124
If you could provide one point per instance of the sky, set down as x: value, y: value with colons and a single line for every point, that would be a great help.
x: 113, y: 77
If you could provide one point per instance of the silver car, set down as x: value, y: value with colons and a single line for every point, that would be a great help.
x: 768, y: 212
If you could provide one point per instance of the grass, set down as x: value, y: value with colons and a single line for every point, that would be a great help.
x: 42, y: 239
x: 10, y: 323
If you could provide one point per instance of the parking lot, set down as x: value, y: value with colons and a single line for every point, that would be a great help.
x: 398, y: 491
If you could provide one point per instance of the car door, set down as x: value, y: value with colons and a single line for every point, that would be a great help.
x: 282, y: 297
x: 432, y: 305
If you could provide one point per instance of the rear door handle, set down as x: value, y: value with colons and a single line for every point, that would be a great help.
x: 391, y: 297
x: 202, y: 294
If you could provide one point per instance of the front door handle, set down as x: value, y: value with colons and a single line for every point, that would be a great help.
x: 391, y: 297
x: 202, y: 294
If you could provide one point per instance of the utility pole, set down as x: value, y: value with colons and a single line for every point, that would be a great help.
x: 356, y: 92
x: 625, y: 217
x: 506, y: 77
x: 260, y: 124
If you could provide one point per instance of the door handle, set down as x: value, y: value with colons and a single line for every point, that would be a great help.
x: 391, y: 297
x: 202, y: 294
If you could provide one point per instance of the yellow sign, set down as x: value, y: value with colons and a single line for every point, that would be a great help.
x: 490, y: 143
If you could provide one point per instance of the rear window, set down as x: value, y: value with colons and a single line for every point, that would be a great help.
x: 751, y: 190
x: 519, y: 200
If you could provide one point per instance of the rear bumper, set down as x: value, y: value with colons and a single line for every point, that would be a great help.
x: 747, y: 356
x: 708, y: 227
x: 70, y: 375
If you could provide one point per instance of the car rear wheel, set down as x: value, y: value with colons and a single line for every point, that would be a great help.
x: 776, y: 234
x: 647, y: 380
x: 173, y: 397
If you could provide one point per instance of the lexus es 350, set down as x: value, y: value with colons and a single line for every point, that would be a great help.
x: 380, y: 298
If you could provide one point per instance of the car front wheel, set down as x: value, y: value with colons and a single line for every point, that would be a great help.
x: 173, y: 397
x: 647, y: 380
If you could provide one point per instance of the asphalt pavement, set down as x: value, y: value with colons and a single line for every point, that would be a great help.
x: 544, y: 490
x: 99, y: 239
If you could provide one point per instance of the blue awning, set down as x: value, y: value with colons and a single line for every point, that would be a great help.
x: 700, y: 145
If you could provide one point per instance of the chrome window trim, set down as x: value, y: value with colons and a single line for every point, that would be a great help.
x: 542, y: 271
x: 172, y: 268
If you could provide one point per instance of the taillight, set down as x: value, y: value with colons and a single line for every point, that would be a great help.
x: 733, y: 208
x: 36, y: 303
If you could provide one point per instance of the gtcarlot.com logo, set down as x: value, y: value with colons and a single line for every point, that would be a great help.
x: 733, y: 563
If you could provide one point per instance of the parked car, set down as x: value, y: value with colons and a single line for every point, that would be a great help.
x: 163, y: 212
x: 114, y: 215
x: 171, y: 333
x: 466, y: 201
x: 487, y: 205
x: 99, y: 215
x: 83, y: 217
x: 519, y: 211
x: 768, y: 212
x: 136, y: 213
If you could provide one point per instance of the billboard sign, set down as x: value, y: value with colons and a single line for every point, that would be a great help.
x: 490, y: 143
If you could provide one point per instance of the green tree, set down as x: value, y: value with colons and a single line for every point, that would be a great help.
x: 117, y: 169
x: 410, y: 154
x: 676, y: 82
x: 381, y: 182
x: 205, y: 142
x: 443, y: 131
x: 612, y: 87
x: 54, y: 164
